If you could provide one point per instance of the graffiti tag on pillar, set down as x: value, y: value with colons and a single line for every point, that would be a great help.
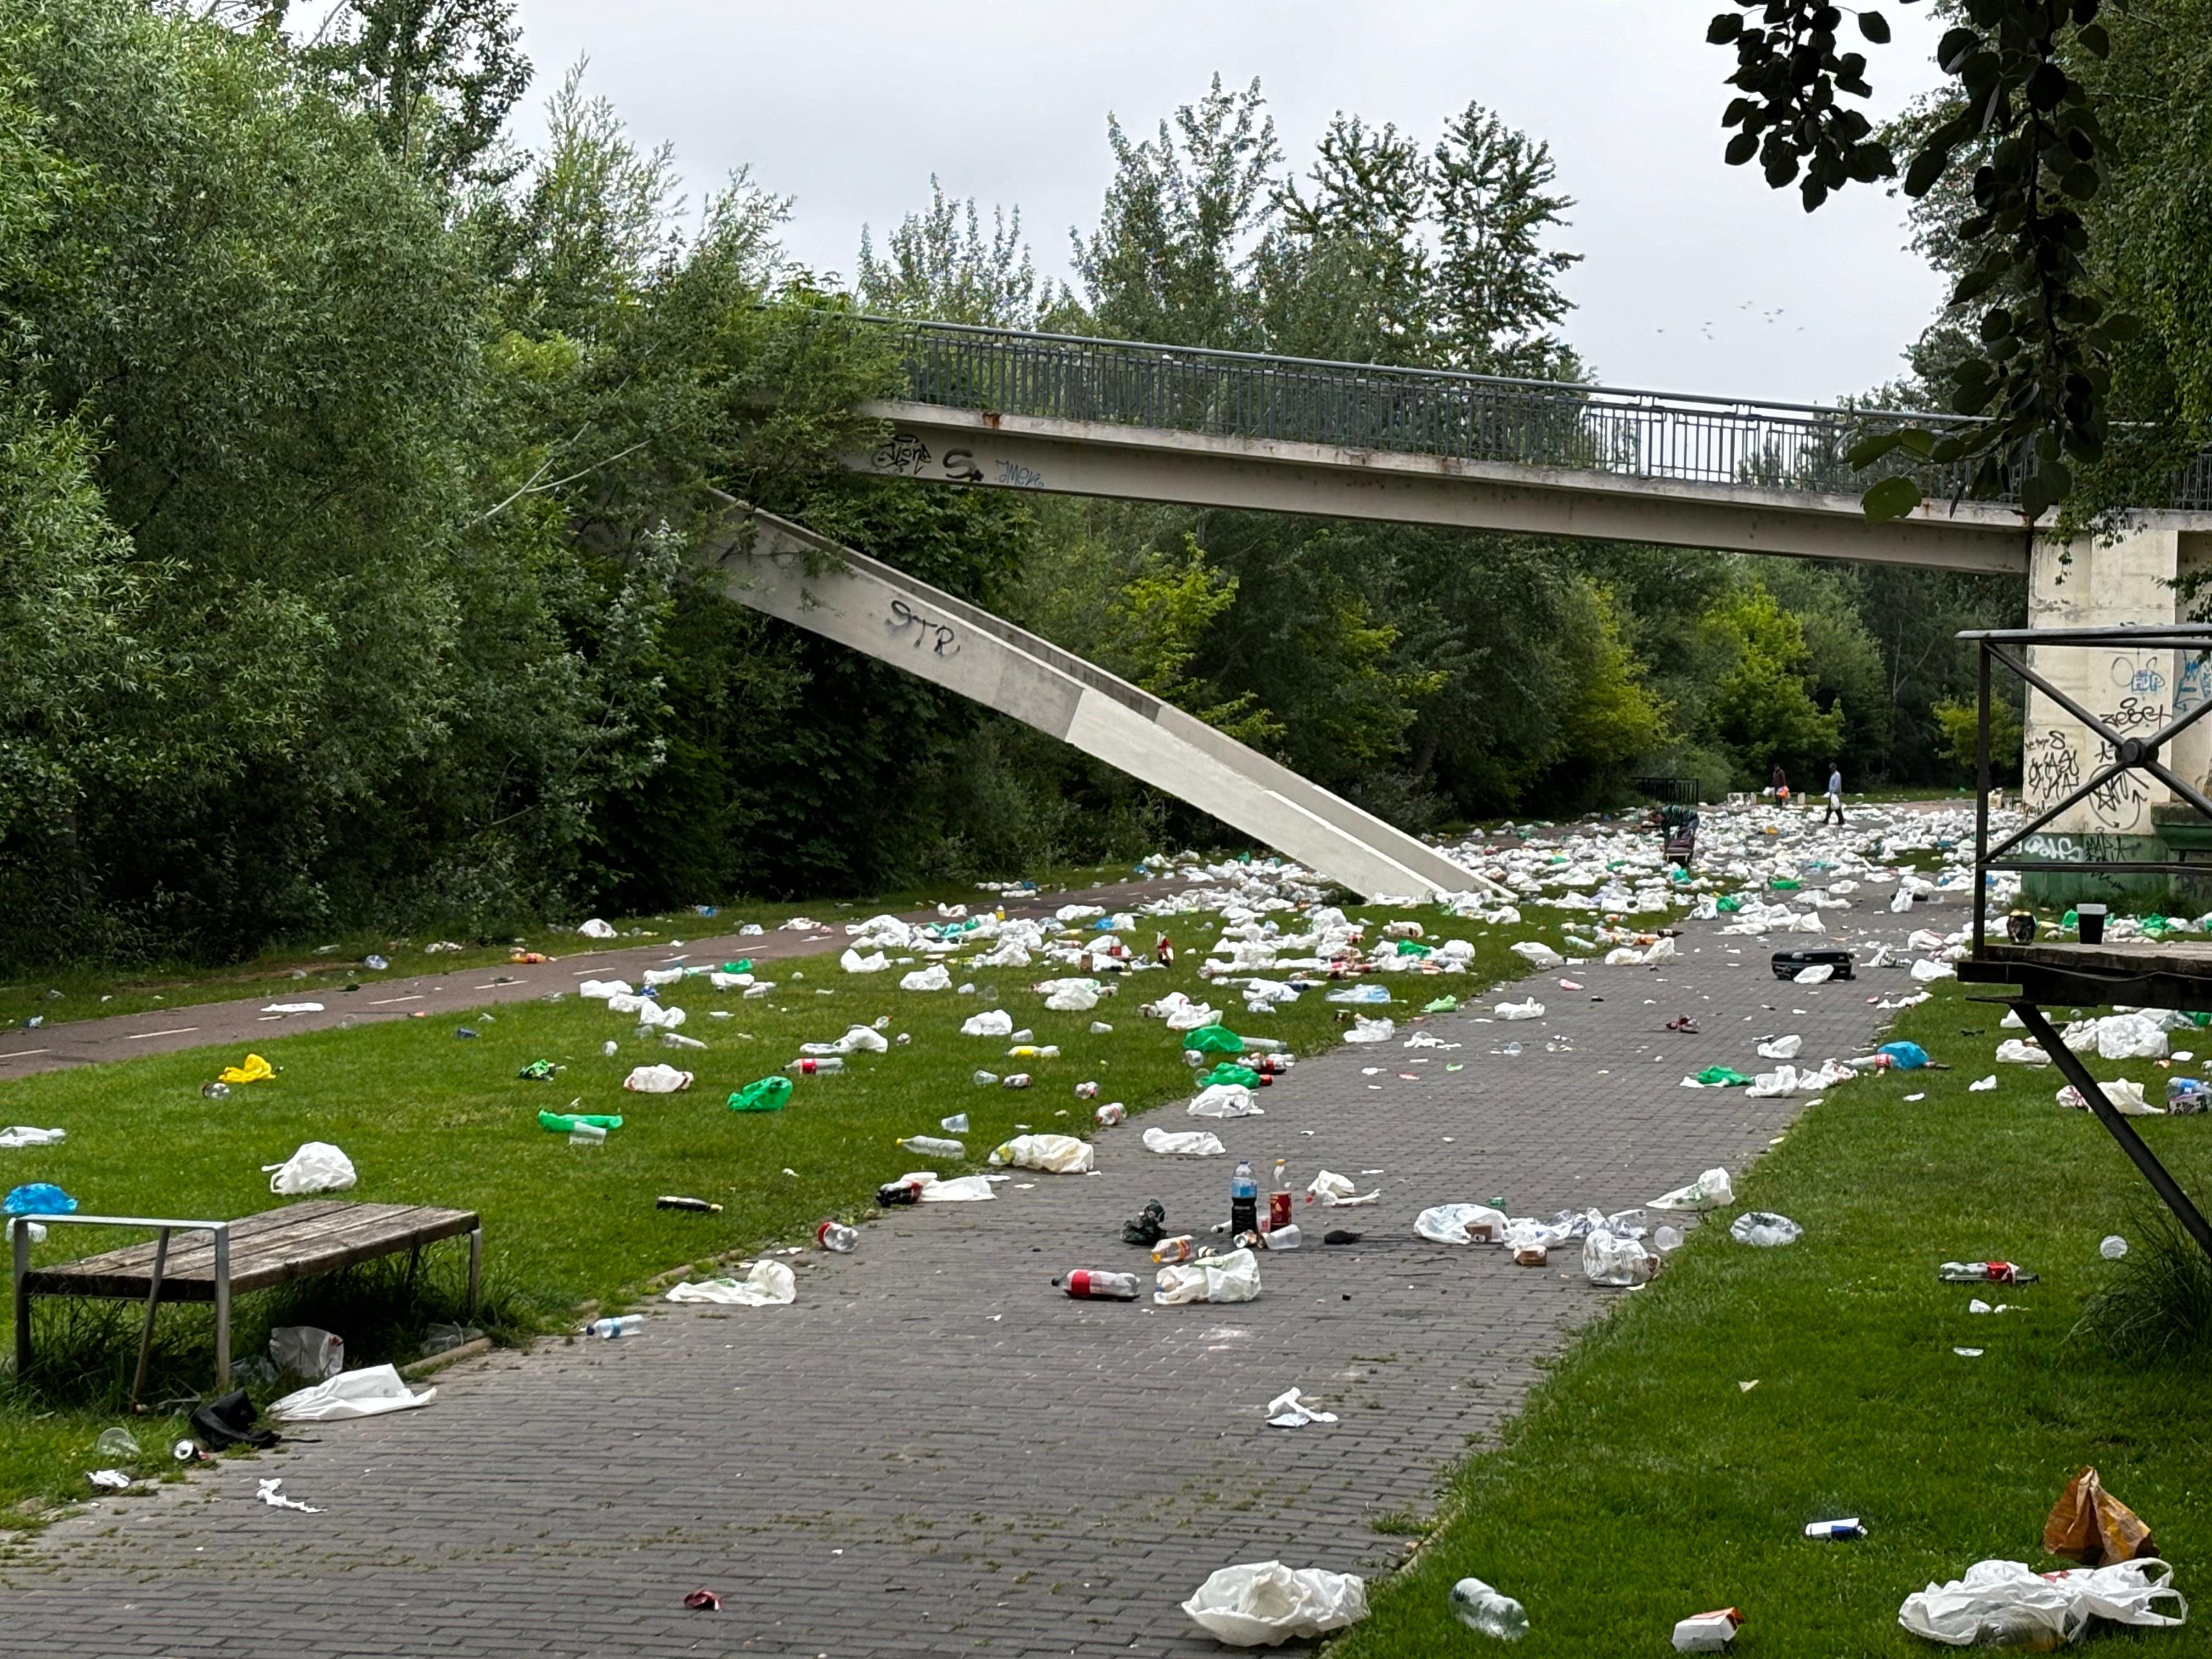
x: 2118, y: 802
x: 2195, y: 685
x: 2142, y: 675
x: 903, y: 452
x: 2134, y: 714
x: 2053, y: 770
x: 2075, y: 849
x: 960, y: 466
x: 940, y: 637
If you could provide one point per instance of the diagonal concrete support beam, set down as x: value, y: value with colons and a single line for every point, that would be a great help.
x: 787, y: 571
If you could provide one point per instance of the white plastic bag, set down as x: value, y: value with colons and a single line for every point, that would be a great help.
x: 1266, y: 1602
x: 1537, y: 954
x: 1531, y: 1009
x: 932, y: 978
x: 1194, y: 1143
x: 370, y: 1392
x: 656, y: 1080
x: 1365, y: 1029
x: 2009, y: 1604
x: 992, y: 1022
x: 1765, y: 1229
x: 1460, y: 1223
x: 1338, y: 1192
x: 1779, y: 1083
x: 317, y: 1167
x: 961, y: 1189
x: 1709, y: 1191
x: 1191, y: 1015
x: 1226, y: 1100
x: 17, y: 1135
x: 769, y: 1284
x: 2014, y: 1052
x: 304, y: 1351
x: 596, y: 929
x: 1616, y: 1262
x: 1781, y: 1048
x: 1072, y: 997
x: 2126, y: 1096
x: 854, y: 962
x: 1818, y: 973
x: 1231, y: 1278
x: 1054, y: 1154
x: 2130, y: 1037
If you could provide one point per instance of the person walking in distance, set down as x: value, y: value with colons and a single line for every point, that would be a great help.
x: 1835, y: 794
x: 1780, y: 785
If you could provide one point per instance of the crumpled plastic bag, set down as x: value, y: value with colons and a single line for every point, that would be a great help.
x: 857, y: 1039
x: 2088, y: 1524
x: 1266, y: 1602
x: 1231, y: 1278
x: 1194, y: 1143
x: 371, y: 1391
x: 1338, y: 1192
x: 1072, y: 997
x: 1226, y: 1100
x: 854, y: 962
x: 598, y: 990
x: 932, y: 978
x: 596, y: 928
x: 1708, y: 1192
x: 769, y: 1284
x: 2009, y: 1604
x: 252, y: 1069
x: 1765, y: 1229
x: 1781, y: 1048
x: 1537, y: 954
x: 1191, y: 1017
x: 961, y: 1189
x: 1779, y: 1083
x: 305, y: 1351
x: 768, y: 1094
x: 317, y: 1167
x: 1531, y: 1009
x: 1460, y: 1223
x: 992, y: 1022
x: 2013, y: 1051
x: 1616, y: 1262
x: 656, y: 1080
x: 1371, y: 1031
x: 1054, y: 1154
x: 2130, y: 1037
x: 17, y: 1135
x: 2125, y: 1094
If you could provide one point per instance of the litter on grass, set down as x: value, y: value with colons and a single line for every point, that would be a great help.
x: 373, y: 1391
x: 771, y: 1284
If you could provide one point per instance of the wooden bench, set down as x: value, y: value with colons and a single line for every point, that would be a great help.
x: 225, y: 1258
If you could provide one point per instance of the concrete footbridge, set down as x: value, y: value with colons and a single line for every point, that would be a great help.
x: 1005, y: 409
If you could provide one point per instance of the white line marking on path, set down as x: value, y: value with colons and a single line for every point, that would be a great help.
x: 386, y: 1001
x: 174, y: 1031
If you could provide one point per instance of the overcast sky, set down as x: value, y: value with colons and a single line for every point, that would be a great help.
x: 849, y: 106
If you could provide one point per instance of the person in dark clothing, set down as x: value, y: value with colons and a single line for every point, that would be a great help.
x: 1780, y: 785
x: 1835, y: 794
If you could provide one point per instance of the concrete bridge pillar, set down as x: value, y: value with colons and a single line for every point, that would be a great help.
x: 2094, y: 583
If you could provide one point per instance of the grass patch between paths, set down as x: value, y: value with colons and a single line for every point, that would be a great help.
x: 1642, y: 1483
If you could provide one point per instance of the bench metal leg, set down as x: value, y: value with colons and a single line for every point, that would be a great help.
x: 223, y: 1311
x: 476, y: 1268
x: 21, y: 1237
x: 153, y: 1301
x: 2071, y: 1068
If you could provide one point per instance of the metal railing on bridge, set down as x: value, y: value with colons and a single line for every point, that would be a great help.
x: 1417, y: 411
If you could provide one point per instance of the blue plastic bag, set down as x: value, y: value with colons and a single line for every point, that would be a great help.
x: 1905, y: 1056
x: 40, y: 1198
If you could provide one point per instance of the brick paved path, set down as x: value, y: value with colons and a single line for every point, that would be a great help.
x: 932, y: 1452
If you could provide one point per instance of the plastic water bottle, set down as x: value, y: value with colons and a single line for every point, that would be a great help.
x: 1085, y: 1282
x: 217, y: 1091
x: 1243, y: 1198
x: 627, y: 1325
x: 817, y: 1068
x: 834, y: 1235
x: 1110, y: 1114
x: 1482, y: 1609
x: 934, y: 1147
x: 1015, y: 1080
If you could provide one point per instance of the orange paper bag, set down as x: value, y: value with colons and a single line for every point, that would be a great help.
x: 2089, y: 1525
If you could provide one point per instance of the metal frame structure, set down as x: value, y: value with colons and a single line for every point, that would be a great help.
x: 20, y: 1235
x: 1370, y: 406
x: 2056, y: 974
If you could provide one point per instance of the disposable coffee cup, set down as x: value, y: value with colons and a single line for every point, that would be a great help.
x: 2092, y: 919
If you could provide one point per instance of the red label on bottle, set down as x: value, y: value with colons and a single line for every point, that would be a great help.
x: 1079, y: 1282
x: 1278, y: 1210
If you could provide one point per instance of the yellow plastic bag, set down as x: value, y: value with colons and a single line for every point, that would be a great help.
x: 255, y: 1070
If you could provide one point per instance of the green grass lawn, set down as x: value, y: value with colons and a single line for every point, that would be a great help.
x: 301, y: 970
x: 431, y: 1118
x: 1644, y: 1484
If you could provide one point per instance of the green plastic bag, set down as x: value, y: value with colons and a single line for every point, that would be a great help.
x: 1408, y: 947
x: 768, y: 1094
x: 1723, y: 1076
x: 1213, y: 1040
x: 1780, y: 885
x: 1441, y: 1006
x: 1729, y: 906
x: 562, y: 1123
x: 538, y: 1071
x: 1243, y: 1076
x: 742, y: 965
